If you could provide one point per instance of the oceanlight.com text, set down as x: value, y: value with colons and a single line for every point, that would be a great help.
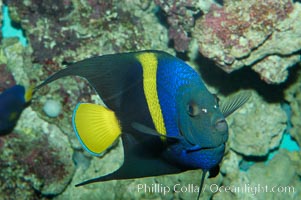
x: 252, y: 189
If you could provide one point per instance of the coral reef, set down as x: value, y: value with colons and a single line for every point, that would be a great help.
x: 7, y: 80
x: 42, y: 158
x: 48, y: 158
x: 263, y: 180
x: 85, y: 28
x: 293, y: 96
x: 39, y: 161
x: 257, y: 128
x: 37, y: 156
x: 181, y: 19
x: 262, y: 34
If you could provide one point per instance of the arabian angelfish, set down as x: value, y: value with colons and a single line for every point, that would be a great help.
x: 168, y: 121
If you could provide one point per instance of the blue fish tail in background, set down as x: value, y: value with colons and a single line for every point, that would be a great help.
x: 12, y: 103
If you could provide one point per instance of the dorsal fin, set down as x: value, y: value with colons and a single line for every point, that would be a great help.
x: 110, y: 75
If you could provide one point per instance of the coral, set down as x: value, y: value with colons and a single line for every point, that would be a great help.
x: 40, y: 159
x: 181, y: 19
x: 97, y: 167
x: 46, y: 154
x: 257, y: 34
x: 34, y: 159
x: 83, y: 28
x: 16, y: 60
x: 277, y: 179
x: 279, y: 63
x: 100, y: 27
x: 37, y: 155
x: 257, y: 128
x: 6, y: 80
x: 37, y: 158
x: 12, y: 184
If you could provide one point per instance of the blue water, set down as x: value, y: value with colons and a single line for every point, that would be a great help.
x: 8, y: 30
x: 289, y: 143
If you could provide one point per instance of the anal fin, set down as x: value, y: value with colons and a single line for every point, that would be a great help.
x: 137, y: 164
x: 95, y: 126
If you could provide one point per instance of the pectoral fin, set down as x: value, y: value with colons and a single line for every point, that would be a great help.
x: 146, y: 130
x: 232, y: 103
x: 95, y: 126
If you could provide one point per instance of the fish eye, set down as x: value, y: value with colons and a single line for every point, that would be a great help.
x: 193, y: 109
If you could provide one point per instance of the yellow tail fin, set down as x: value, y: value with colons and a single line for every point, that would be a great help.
x: 95, y: 126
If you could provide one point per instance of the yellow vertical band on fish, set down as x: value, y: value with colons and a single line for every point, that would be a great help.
x: 149, y: 64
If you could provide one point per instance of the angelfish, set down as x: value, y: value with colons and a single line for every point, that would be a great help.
x: 12, y: 102
x: 168, y: 121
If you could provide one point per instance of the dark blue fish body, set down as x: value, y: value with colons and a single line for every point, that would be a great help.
x: 12, y: 103
x: 205, y: 159
x: 179, y: 86
x: 168, y: 121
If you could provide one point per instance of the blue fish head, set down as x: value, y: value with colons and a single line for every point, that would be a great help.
x: 200, y: 120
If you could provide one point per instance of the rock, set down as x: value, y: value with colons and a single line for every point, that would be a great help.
x: 279, y: 173
x: 47, y: 157
x: 180, y: 16
x: 257, y: 127
x: 293, y: 96
x: 16, y: 60
x: 247, y: 34
x: 39, y: 157
x: 274, y: 67
x: 230, y: 162
x: 97, y: 167
x: 86, y: 28
x: 276, y: 179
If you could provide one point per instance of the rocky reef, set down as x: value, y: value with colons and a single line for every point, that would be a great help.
x: 42, y: 158
x: 86, y: 27
x: 264, y: 35
x: 293, y: 96
x: 181, y: 17
x: 257, y: 128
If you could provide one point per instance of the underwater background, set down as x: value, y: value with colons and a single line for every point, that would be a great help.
x: 235, y: 45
